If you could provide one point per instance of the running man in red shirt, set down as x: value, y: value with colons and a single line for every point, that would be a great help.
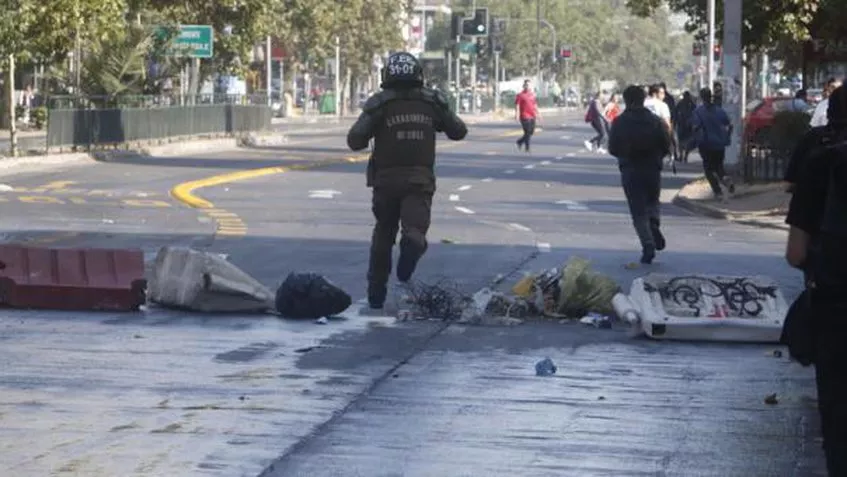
x: 526, y: 112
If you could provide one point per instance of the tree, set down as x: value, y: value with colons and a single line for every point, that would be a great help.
x: 767, y: 23
x: 119, y: 65
x: 608, y: 42
x: 48, y: 29
x: 238, y: 25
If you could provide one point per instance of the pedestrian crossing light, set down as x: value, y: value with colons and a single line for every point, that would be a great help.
x: 478, y: 25
x: 717, y: 52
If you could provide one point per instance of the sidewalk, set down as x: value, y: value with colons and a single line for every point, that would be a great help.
x: 760, y: 205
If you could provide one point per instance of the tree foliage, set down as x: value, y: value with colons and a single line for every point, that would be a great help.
x: 767, y: 24
x: 45, y: 30
x: 608, y: 42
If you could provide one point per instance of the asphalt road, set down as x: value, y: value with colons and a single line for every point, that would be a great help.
x: 162, y: 393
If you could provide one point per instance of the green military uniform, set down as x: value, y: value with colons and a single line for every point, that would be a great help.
x: 403, y: 120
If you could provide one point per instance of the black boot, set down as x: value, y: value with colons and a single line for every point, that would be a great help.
x: 377, y: 295
x: 647, y: 256
x: 410, y: 253
x: 657, y: 236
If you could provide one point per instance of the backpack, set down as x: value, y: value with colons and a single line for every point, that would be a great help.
x: 591, y: 112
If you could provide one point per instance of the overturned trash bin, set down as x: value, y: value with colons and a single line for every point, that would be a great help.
x: 189, y: 279
x: 706, y: 307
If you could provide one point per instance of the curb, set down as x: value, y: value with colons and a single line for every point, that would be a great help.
x: 711, y: 212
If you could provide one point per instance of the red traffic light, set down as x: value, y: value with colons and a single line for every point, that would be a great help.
x: 565, y: 53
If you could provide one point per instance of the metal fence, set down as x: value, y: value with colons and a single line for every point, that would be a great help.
x: 104, y: 121
x: 764, y: 164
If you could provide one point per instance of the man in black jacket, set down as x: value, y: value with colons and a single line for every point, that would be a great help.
x: 818, y: 219
x: 403, y: 120
x: 640, y: 142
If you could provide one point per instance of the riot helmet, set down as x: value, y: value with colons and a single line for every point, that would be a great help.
x: 402, y: 70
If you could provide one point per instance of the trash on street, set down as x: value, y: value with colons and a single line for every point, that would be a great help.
x: 188, y: 279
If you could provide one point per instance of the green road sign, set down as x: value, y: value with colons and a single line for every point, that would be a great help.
x: 467, y: 47
x: 194, y: 41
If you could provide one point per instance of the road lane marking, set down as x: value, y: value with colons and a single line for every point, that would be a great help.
x: 566, y: 137
x: 572, y: 205
x: 491, y: 153
x: 529, y: 166
x: 545, y: 163
x: 463, y: 188
x: 571, y: 154
x: 509, y: 171
x: 520, y: 227
x: 465, y: 210
x: 543, y: 246
x: 145, y: 203
x: 487, y: 179
x: 454, y: 197
x: 324, y: 194
x: 39, y: 199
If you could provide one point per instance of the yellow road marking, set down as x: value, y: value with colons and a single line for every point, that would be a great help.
x: 39, y: 199
x: 184, y: 192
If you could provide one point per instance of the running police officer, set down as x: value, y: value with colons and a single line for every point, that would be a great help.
x: 817, y: 244
x: 403, y: 120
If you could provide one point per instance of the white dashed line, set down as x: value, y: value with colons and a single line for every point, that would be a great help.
x: 571, y: 154
x: 509, y: 171
x: 545, y: 163
x: 520, y: 227
x: 464, y: 210
x: 572, y: 205
x: 566, y: 137
x: 463, y: 188
x: 543, y: 246
x: 454, y: 197
x: 559, y: 158
x: 487, y: 179
x: 529, y: 166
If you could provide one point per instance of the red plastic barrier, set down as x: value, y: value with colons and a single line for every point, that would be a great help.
x: 72, y: 279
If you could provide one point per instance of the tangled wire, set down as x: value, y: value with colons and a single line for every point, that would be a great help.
x: 443, y: 299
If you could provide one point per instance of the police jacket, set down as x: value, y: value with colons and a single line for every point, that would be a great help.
x: 403, y: 123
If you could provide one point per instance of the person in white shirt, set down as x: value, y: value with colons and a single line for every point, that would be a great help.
x: 819, y: 116
x: 656, y: 104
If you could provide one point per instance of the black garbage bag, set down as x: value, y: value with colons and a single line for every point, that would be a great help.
x: 797, y: 331
x: 309, y: 295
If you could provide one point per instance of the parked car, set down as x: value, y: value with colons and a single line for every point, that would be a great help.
x: 815, y: 95
x: 760, y: 115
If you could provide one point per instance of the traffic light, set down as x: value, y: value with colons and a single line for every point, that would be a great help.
x: 456, y: 25
x: 478, y: 25
x: 565, y: 52
x: 481, y: 47
x: 717, y: 53
x: 496, y: 34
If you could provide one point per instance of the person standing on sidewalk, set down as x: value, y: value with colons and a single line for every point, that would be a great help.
x: 819, y: 117
x: 817, y: 215
x: 403, y: 120
x: 640, y: 142
x: 712, y: 133
x: 670, y: 101
x: 526, y: 113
